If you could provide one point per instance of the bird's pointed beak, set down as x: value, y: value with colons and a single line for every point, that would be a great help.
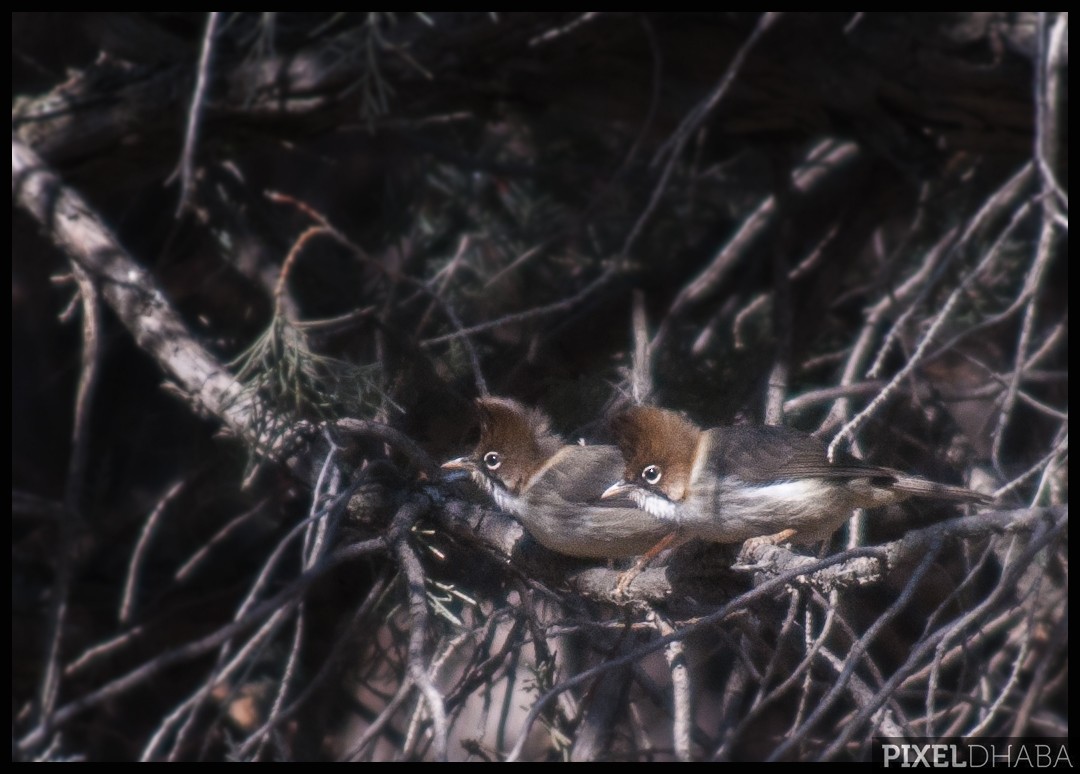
x: 619, y: 489
x: 457, y: 468
x: 461, y: 463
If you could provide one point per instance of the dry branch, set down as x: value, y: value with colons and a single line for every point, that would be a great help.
x: 132, y: 292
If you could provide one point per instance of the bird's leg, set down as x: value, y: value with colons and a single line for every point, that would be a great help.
x: 751, y: 546
x: 772, y: 540
x: 628, y: 577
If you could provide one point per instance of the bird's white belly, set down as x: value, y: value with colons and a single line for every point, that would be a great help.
x: 733, y: 511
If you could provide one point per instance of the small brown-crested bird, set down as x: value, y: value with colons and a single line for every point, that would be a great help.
x: 730, y: 484
x: 554, y: 488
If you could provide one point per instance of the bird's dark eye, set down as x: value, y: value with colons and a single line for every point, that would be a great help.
x: 651, y: 474
x: 492, y: 460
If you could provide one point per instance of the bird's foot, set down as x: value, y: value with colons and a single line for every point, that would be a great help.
x: 750, y: 554
x: 622, y: 585
x: 770, y: 540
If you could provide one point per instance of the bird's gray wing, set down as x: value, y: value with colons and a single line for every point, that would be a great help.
x: 766, y: 454
x: 580, y: 474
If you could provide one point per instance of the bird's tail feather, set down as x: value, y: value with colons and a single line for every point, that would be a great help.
x: 920, y: 487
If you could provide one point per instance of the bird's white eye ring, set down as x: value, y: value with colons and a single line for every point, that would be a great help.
x: 651, y: 474
x: 492, y: 460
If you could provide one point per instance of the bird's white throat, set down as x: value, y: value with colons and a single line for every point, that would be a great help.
x: 655, y: 505
x: 506, y: 500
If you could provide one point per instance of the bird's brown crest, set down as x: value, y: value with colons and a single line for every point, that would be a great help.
x: 647, y: 435
x: 522, y: 436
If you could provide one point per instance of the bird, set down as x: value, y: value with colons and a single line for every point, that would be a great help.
x: 552, y: 487
x: 732, y: 484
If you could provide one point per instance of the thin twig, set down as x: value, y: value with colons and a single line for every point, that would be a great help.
x: 286, y: 679
x: 920, y: 353
x: 188, y: 567
x: 857, y: 650
x: 918, y: 284
x: 560, y: 306
x: 783, y: 317
x: 314, y: 524
x: 1060, y: 638
x: 331, y: 661
x: 673, y: 148
x: 371, y: 733
x: 127, y: 601
x: 822, y: 161
x: 641, y: 386
x: 95, y: 653
x: 131, y: 291
x: 1003, y: 692
x: 340, y: 237
x: 925, y: 645
x: 800, y: 270
x: 674, y: 145
x: 73, y: 491
x: 879, y: 400
x: 186, y: 169
x: 282, y: 305
x: 739, y: 603
x: 990, y: 321
x: 565, y: 29
x: 418, y: 628
x: 199, y: 647
x: 680, y: 686
x: 1047, y: 140
x: 1048, y: 460
x: 1051, y: 69
x: 395, y: 439
x: 186, y: 713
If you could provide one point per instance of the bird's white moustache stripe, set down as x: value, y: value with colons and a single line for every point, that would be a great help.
x: 503, y: 498
x: 654, y: 505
